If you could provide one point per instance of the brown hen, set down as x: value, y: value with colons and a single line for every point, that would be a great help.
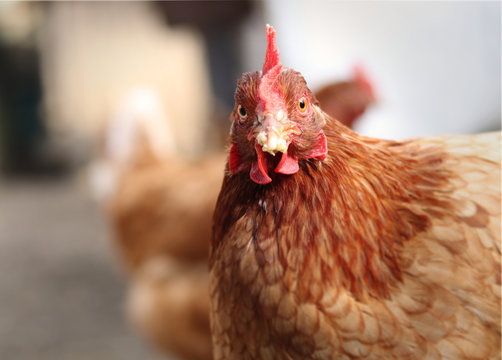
x: 161, y: 212
x: 331, y: 245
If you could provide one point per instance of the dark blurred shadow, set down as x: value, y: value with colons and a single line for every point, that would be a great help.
x: 219, y: 22
x: 23, y: 134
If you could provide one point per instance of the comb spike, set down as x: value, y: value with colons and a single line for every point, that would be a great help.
x: 268, y: 92
x: 361, y: 77
x: 272, y: 55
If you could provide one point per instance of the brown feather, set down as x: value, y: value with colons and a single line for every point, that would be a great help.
x: 375, y: 252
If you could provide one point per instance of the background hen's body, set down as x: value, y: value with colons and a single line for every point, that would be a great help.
x: 385, y: 250
x: 164, y: 208
x: 161, y: 217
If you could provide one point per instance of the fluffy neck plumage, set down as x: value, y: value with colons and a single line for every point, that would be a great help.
x: 351, y: 212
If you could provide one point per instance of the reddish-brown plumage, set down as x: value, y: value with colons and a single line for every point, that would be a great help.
x: 358, y: 195
x: 382, y: 250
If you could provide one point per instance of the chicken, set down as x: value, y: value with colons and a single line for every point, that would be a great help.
x: 331, y: 245
x: 346, y: 101
x: 160, y: 208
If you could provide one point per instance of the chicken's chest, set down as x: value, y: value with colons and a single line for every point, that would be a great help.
x: 268, y: 247
x: 266, y: 269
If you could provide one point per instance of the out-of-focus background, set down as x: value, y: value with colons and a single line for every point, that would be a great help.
x: 87, y: 88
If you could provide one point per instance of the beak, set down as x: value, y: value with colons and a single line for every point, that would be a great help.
x: 274, y: 132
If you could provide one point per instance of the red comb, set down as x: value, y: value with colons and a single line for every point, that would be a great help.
x: 272, y: 55
x: 268, y: 91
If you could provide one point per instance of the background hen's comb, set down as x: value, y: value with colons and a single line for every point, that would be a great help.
x: 361, y: 77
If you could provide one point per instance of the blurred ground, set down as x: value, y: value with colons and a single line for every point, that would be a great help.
x: 61, y: 288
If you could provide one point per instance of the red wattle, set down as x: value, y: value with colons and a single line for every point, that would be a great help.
x: 288, y: 164
x: 320, y: 149
x: 235, y: 163
x: 259, y: 168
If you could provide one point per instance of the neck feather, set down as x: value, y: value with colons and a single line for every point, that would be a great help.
x: 353, y: 212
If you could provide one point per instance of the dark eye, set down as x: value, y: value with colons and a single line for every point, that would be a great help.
x: 302, y: 104
x: 242, y: 112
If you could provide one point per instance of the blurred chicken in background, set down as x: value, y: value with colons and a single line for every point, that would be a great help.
x: 347, y: 100
x: 127, y: 86
x: 160, y: 208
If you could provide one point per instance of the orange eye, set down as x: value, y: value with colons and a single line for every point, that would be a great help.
x: 302, y: 104
x: 242, y: 112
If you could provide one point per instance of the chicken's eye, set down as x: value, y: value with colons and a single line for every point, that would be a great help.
x: 302, y: 104
x: 242, y: 112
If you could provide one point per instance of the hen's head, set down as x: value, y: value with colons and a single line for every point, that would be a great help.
x: 276, y: 120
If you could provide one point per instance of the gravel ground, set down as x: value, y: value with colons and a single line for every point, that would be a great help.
x: 61, y: 288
